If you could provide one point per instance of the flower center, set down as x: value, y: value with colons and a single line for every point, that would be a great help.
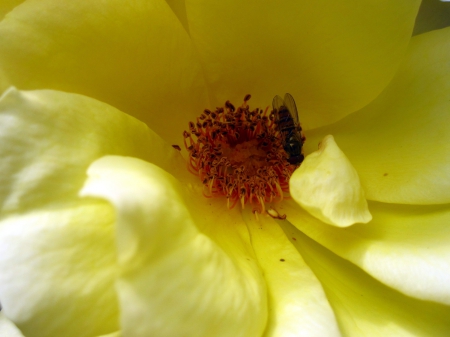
x: 239, y: 154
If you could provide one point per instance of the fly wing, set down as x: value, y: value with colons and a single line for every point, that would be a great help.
x: 277, y: 103
x: 290, y: 104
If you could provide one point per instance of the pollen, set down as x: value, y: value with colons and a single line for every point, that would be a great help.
x: 238, y: 154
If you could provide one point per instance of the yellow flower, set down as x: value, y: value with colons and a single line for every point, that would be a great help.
x: 136, y: 250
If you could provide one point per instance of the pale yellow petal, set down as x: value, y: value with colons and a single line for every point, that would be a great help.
x: 7, y: 328
x: 51, y: 138
x: 362, y: 305
x: 298, y: 306
x: 334, y: 57
x: 400, y: 143
x: 406, y: 247
x: 58, y: 266
x: 135, y: 56
x: 57, y: 252
x: 327, y: 186
x: 174, y: 280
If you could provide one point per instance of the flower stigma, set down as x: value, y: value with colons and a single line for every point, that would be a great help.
x: 240, y: 154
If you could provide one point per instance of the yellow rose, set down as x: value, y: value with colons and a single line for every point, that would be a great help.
x: 103, y: 231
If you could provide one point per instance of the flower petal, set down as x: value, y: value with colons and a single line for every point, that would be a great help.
x: 57, y: 253
x: 333, y: 57
x: 405, y: 247
x: 136, y: 57
x: 432, y: 15
x: 7, y: 5
x: 49, y: 139
x: 58, y: 269
x: 179, y: 9
x: 174, y: 280
x: 7, y: 328
x: 363, y: 306
x: 399, y: 144
x: 328, y: 187
x: 298, y: 306
x: 114, y: 334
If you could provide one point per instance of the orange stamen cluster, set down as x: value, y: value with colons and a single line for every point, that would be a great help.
x: 237, y: 153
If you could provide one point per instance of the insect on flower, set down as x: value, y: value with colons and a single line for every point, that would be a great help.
x: 286, y: 118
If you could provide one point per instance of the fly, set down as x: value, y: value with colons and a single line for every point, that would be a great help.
x: 286, y: 117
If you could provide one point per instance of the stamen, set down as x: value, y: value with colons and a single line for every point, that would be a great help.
x: 274, y: 214
x: 238, y: 153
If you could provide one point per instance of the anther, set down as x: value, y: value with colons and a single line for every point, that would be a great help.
x: 238, y: 154
x: 230, y: 106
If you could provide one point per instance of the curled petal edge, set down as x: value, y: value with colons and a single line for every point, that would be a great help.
x: 328, y: 187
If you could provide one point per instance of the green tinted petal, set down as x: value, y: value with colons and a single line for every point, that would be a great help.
x: 135, y: 56
x: 400, y: 143
x: 174, y: 280
x: 328, y: 187
x: 364, y: 306
x: 405, y: 247
x: 298, y: 306
x: 7, y: 328
x: 57, y: 252
x: 333, y: 57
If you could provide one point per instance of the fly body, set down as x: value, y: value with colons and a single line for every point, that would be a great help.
x: 286, y: 117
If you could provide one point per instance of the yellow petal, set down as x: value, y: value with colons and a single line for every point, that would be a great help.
x: 328, y: 187
x: 298, y: 306
x: 58, y: 259
x: 7, y: 328
x: 58, y: 267
x: 432, y: 15
x: 174, y: 280
x: 400, y: 143
x: 364, y: 306
x: 405, y: 247
x: 114, y: 334
x: 51, y: 138
x: 333, y: 57
x: 7, y: 5
x: 179, y: 9
x: 136, y: 57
